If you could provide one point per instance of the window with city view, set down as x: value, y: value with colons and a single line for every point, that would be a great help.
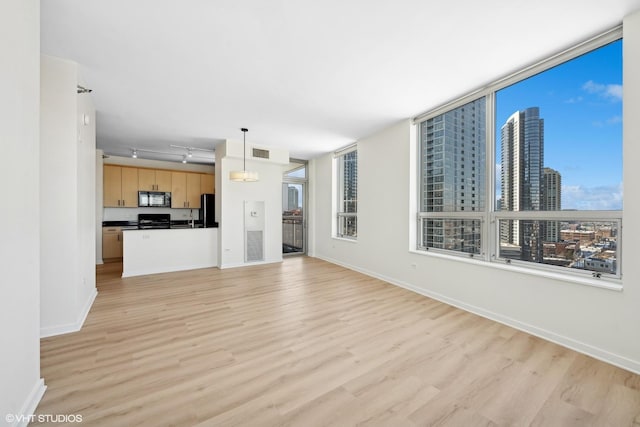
x: 555, y: 198
x: 347, y: 181
x: 452, y: 185
x: 559, y: 153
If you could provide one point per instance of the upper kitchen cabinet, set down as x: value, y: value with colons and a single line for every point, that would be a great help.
x: 185, y: 190
x: 207, y: 185
x: 154, y: 180
x: 193, y: 190
x: 120, y: 187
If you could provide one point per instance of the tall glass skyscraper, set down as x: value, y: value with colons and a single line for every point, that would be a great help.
x: 350, y: 182
x: 522, y: 140
x: 551, y: 201
x: 453, y: 176
x: 292, y: 198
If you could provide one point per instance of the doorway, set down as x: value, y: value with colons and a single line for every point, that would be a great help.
x: 294, y: 202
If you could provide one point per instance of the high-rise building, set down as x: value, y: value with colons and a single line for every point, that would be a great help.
x: 551, y: 201
x: 453, y: 161
x: 522, y: 139
x: 292, y: 198
x: 350, y: 182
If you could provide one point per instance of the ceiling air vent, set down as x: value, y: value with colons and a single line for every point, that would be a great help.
x: 260, y: 154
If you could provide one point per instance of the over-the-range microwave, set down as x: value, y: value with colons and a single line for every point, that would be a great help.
x: 155, y: 199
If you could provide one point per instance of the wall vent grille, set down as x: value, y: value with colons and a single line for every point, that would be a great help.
x: 260, y: 154
x: 255, y: 251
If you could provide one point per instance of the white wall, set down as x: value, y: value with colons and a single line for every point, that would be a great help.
x: 86, y: 200
x: 230, y: 198
x: 600, y: 322
x: 67, y: 199
x: 20, y: 385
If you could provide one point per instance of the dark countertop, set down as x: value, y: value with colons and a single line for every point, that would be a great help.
x: 178, y: 224
x: 119, y: 223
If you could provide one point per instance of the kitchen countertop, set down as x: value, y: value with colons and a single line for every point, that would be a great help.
x: 119, y: 223
x: 133, y: 225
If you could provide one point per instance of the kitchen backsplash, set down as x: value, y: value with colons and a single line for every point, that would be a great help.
x: 131, y: 214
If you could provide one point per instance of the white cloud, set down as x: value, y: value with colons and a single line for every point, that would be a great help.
x: 614, y: 91
x: 593, y: 87
x: 574, y: 100
x: 608, y: 91
x: 608, y: 197
x: 614, y: 120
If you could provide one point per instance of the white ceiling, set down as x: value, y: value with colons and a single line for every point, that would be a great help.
x: 307, y: 76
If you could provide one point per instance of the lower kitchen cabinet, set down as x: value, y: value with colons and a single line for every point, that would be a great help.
x: 111, y: 243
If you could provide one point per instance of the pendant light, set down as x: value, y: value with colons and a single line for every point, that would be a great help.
x: 244, y: 175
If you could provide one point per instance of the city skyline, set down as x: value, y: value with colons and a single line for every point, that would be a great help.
x: 581, y: 103
x: 527, y: 184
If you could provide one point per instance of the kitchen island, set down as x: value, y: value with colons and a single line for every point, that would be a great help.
x: 164, y: 250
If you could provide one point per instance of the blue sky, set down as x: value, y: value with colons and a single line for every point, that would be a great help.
x: 581, y: 104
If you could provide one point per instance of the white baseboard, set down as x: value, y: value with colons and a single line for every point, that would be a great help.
x: 160, y: 269
x: 579, y: 346
x: 50, y: 331
x: 30, y: 404
x: 248, y: 264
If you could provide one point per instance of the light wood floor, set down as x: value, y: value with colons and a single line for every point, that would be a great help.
x: 308, y: 343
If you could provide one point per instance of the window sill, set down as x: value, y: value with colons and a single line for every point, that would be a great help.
x: 587, y: 281
x: 344, y: 239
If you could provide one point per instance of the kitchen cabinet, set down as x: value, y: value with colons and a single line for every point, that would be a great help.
x: 111, y: 243
x: 120, y: 187
x: 154, y: 180
x: 178, y: 190
x: 193, y: 190
x: 185, y: 190
x: 207, y: 184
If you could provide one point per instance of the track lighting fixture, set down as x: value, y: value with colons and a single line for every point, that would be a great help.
x: 189, y: 156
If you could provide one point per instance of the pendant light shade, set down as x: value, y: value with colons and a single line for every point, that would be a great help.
x: 244, y: 175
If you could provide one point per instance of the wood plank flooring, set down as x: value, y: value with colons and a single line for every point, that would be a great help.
x: 308, y: 343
